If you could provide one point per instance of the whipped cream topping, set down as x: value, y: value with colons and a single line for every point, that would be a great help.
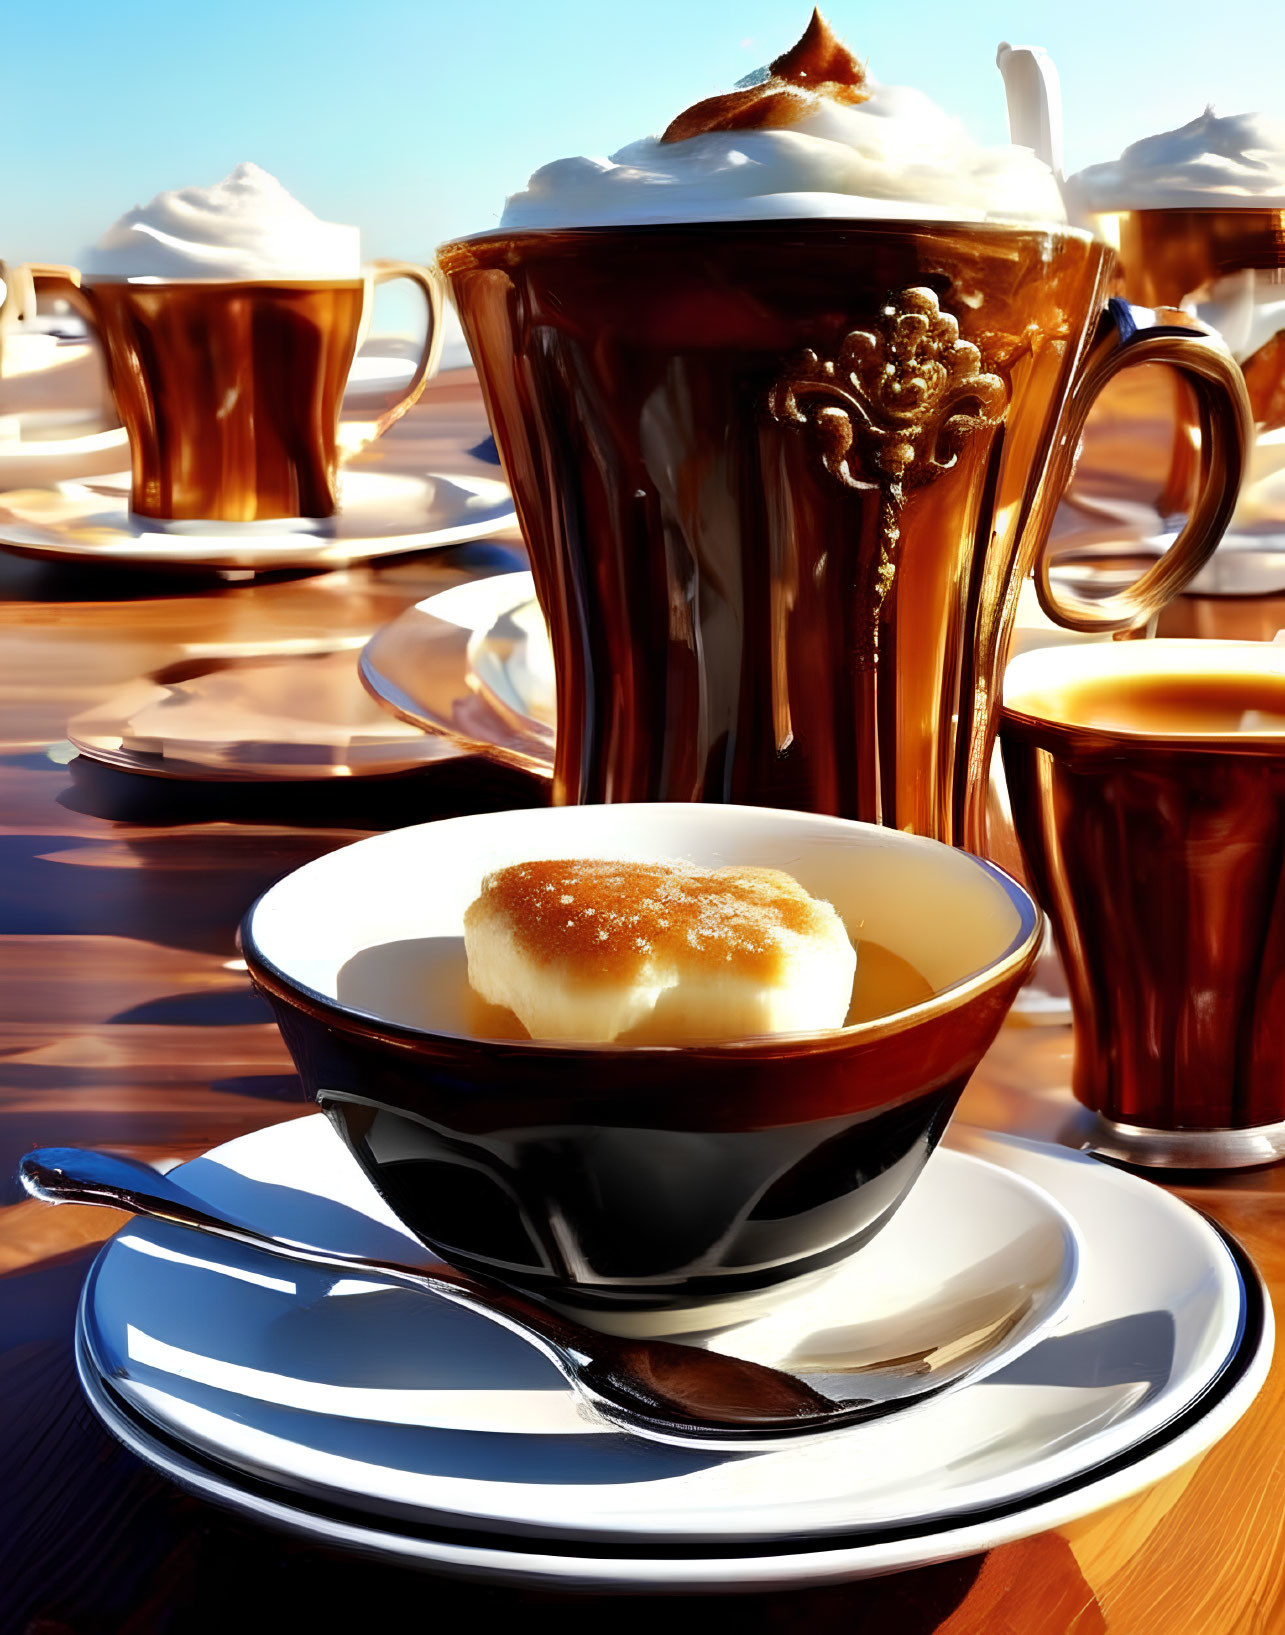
x: 1213, y: 162
x: 245, y: 227
x: 813, y: 135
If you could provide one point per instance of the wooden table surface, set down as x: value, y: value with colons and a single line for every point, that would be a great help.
x: 128, y: 1022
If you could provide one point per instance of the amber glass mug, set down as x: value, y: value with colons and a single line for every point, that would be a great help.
x: 230, y: 391
x: 781, y: 481
x: 1177, y: 257
x: 1228, y: 265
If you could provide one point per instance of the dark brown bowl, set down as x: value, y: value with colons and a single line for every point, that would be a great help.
x: 643, y: 1178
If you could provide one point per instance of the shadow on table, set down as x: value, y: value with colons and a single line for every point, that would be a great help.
x: 31, y: 579
x: 183, y: 887
x: 442, y: 789
x: 175, y: 889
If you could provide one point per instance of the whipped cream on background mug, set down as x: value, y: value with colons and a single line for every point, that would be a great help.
x: 229, y: 318
x: 787, y: 397
x: 1213, y: 162
x: 246, y: 227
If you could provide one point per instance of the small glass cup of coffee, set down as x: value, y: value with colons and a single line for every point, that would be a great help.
x: 1147, y: 782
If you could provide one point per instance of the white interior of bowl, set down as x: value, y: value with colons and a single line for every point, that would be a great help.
x: 378, y: 926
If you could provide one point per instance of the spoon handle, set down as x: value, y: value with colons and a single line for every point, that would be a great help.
x: 656, y: 1388
x: 66, y: 1175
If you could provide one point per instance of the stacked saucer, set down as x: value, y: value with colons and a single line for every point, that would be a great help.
x: 1112, y: 1334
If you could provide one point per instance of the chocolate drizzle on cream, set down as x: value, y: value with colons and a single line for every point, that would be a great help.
x: 818, y: 67
x: 811, y: 136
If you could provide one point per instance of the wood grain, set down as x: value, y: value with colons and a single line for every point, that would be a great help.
x: 126, y: 1021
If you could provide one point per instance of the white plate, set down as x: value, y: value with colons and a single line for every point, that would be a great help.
x: 65, y: 454
x: 57, y: 420
x: 294, y: 715
x: 381, y: 513
x: 474, y: 664
x: 900, y: 1315
x: 277, y: 1391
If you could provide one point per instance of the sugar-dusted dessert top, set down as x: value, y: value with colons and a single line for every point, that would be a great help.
x: 613, y: 918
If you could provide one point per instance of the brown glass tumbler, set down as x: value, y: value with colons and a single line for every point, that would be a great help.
x: 1147, y: 782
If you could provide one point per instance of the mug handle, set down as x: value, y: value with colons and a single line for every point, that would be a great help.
x: 355, y: 435
x: 13, y: 302
x: 1226, y: 433
x: 21, y: 283
x: 63, y: 283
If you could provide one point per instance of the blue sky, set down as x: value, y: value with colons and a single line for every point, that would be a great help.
x: 414, y: 118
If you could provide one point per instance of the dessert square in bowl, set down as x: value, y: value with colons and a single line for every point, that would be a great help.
x: 624, y: 1177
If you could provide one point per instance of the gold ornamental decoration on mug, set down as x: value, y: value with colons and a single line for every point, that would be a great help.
x: 903, y: 396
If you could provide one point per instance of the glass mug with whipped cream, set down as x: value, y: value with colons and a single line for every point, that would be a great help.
x: 229, y: 317
x: 787, y: 398
x: 1197, y: 216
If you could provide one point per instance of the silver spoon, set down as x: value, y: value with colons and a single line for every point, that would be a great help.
x: 656, y: 1388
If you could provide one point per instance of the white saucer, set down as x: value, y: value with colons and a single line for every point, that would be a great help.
x: 57, y: 420
x: 381, y: 513
x: 59, y: 454
x: 399, y: 1425
x: 474, y: 664
x: 288, y: 716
